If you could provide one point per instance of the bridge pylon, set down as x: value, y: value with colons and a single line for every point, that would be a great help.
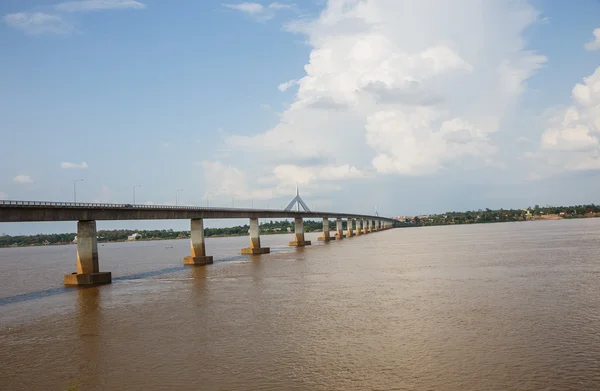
x: 298, y: 202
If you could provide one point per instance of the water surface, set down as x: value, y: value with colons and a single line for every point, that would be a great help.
x: 512, y: 306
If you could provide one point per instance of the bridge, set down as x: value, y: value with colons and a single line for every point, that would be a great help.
x: 86, y: 215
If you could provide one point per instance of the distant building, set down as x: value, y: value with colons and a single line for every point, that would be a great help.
x: 133, y: 237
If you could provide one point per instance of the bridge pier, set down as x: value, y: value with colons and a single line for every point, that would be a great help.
x: 365, y: 229
x: 299, y: 234
x: 349, y: 232
x: 370, y: 226
x: 358, y: 229
x: 326, y: 237
x: 197, y: 250
x: 255, y: 248
x: 339, y: 232
x: 88, y: 271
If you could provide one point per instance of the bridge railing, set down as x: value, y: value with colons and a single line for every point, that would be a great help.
x: 109, y: 205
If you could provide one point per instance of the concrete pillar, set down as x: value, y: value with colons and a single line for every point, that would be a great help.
x: 299, y: 234
x: 197, y: 251
x: 365, y: 229
x: 255, y: 248
x: 339, y: 229
x: 358, y: 230
x: 326, y: 237
x: 371, y: 225
x: 349, y: 232
x: 88, y: 271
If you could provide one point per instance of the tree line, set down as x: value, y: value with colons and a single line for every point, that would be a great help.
x: 503, y: 215
x: 119, y: 235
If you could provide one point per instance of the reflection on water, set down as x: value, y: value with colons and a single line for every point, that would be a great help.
x: 497, y: 307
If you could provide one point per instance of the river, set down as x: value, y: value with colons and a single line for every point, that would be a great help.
x: 511, y: 306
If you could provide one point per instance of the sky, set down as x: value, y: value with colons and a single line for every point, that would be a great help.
x: 407, y: 107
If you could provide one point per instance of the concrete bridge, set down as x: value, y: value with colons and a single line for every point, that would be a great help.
x: 88, y: 271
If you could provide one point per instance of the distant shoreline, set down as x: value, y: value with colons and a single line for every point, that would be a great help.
x: 139, y: 240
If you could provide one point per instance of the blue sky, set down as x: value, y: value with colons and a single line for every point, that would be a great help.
x: 416, y: 107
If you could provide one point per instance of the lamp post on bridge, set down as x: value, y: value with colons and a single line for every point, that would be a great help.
x: 75, y: 189
x: 133, y: 187
x: 207, y: 194
x: 177, y: 196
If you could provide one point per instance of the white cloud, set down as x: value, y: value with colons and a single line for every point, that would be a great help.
x: 289, y: 175
x: 286, y: 85
x: 38, y: 23
x: 259, y: 11
x: 411, y: 143
x: 95, y: 5
x: 73, y: 165
x: 22, y: 179
x: 571, y: 140
x: 280, y: 6
x: 424, y: 89
x: 249, y: 8
x: 595, y: 44
x: 228, y: 181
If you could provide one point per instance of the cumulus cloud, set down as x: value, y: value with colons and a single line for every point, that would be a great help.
x: 286, y: 85
x: 424, y: 96
x: 258, y: 10
x: 223, y: 180
x: 290, y: 174
x: 595, y: 44
x: 38, y: 23
x: 571, y: 140
x: 73, y: 165
x: 227, y: 180
x: 22, y: 179
x: 96, y: 5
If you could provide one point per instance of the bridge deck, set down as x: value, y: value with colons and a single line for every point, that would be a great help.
x: 30, y: 211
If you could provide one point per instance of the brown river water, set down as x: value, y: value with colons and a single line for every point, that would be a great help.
x: 513, y: 306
